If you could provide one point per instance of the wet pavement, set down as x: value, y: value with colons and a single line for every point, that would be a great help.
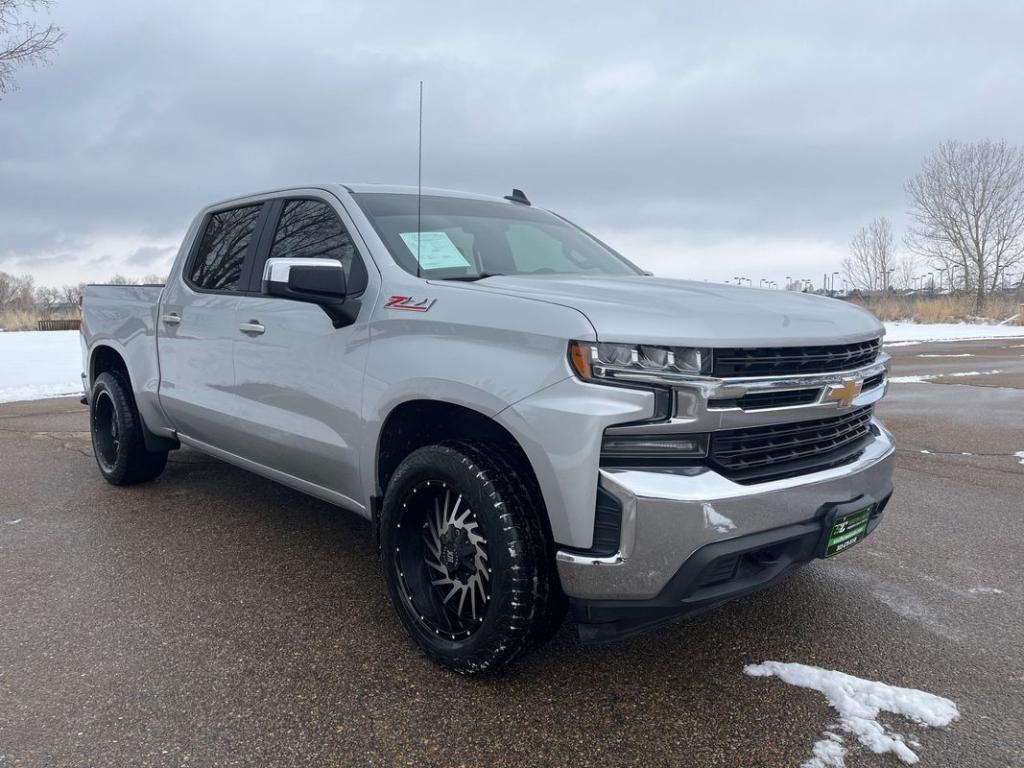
x: 214, y: 618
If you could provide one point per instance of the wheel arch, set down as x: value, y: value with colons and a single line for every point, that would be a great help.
x: 415, y: 423
x: 105, y: 357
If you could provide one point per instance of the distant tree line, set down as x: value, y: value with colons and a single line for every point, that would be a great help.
x: 966, y: 210
x: 20, y: 293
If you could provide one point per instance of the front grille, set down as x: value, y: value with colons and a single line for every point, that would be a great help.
x: 873, y: 381
x: 790, y: 361
x: 758, y: 401
x: 759, y: 454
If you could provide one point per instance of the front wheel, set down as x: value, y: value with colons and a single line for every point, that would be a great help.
x: 117, y: 440
x: 465, y: 557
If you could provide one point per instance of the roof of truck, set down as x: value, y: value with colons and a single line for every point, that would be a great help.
x: 398, y: 189
x: 361, y: 189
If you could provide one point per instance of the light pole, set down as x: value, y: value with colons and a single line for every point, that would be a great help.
x: 832, y: 288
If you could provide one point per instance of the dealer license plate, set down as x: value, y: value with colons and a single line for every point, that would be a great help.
x: 847, y: 531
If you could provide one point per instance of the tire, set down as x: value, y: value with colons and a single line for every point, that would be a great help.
x: 467, y: 561
x: 116, y: 428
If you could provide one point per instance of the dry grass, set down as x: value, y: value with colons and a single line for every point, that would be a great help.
x: 942, y: 309
x: 28, y: 320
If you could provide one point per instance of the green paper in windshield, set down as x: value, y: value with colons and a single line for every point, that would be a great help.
x: 437, y: 251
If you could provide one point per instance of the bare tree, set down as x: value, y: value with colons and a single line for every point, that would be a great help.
x: 72, y: 294
x: 907, y: 268
x: 967, y: 205
x: 122, y: 280
x: 19, y: 292
x: 48, y: 299
x: 22, y: 41
x: 872, y: 256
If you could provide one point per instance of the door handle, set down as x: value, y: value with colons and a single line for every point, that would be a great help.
x: 252, y: 327
x: 171, y: 319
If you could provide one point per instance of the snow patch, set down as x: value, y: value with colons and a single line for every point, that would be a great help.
x: 859, y: 702
x: 985, y: 591
x: 827, y: 753
x: 916, y: 334
x: 716, y: 521
x: 962, y: 354
x: 12, y: 522
x: 37, y: 364
x: 1020, y: 456
x: 921, y: 378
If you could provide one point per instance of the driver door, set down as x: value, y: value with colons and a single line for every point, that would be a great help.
x: 298, y: 379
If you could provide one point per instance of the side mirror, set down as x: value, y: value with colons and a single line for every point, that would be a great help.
x: 315, y: 281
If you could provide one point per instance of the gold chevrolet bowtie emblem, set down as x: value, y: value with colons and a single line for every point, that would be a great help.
x: 844, y: 393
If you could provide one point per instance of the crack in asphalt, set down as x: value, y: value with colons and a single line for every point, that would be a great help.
x: 936, y: 452
x: 41, y: 413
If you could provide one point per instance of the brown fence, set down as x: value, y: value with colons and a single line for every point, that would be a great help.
x: 60, y: 325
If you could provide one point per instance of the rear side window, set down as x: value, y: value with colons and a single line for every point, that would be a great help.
x: 221, y: 255
x: 310, y: 229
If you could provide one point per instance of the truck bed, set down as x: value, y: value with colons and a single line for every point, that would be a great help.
x: 124, y: 317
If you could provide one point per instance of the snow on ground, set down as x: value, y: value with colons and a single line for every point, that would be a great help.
x: 859, y: 702
x: 904, y: 334
x: 37, y: 364
x: 925, y: 377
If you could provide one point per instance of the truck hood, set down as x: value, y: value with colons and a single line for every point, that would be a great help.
x: 653, y: 310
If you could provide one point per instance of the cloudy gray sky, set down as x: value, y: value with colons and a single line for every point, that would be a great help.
x: 702, y: 140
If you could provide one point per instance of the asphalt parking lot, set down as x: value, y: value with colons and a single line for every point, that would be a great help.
x: 214, y: 618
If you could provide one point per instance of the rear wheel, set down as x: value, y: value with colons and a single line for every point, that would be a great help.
x: 117, y: 440
x: 466, y: 560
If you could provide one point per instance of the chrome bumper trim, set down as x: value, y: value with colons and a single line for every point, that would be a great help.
x: 666, y: 517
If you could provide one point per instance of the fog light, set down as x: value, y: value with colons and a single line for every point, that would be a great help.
x: 652, y: 450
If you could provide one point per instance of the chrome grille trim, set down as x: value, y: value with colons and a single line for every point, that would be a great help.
x: 788, y: 361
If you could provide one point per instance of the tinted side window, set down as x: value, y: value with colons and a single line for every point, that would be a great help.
x: 221, y: 254
x: 311, y: 229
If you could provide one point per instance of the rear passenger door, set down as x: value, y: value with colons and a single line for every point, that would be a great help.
x: 299, y: 379
x: 196, y: 328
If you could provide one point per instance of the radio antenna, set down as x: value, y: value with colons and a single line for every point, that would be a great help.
x: 419, y: 183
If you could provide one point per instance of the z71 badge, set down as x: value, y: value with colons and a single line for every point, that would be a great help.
x: 409, y: 303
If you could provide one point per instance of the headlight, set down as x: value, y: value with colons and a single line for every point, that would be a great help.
x: 636, y: 362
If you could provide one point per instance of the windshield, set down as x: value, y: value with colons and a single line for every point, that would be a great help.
x: 465, y: 239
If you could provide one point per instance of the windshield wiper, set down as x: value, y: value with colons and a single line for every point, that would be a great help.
x: 474, y: 278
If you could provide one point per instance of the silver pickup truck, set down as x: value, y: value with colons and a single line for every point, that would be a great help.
x: 531, y: 423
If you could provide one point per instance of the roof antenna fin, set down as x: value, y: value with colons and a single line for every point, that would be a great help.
x: 518, y: 196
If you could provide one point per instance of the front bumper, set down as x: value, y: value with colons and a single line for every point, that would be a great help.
x: 670, y: 519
